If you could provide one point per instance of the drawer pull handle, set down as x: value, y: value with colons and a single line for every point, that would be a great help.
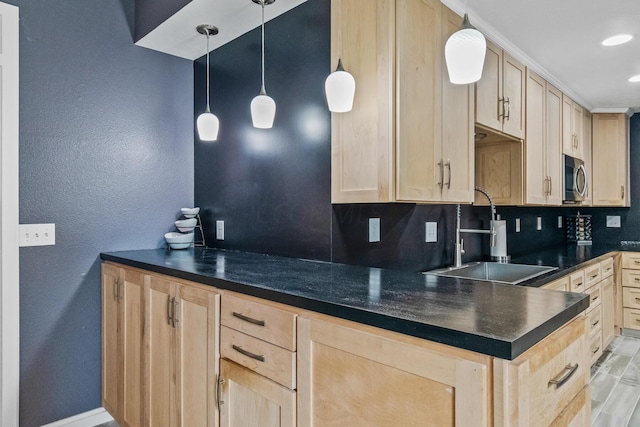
x: 563, y: 376
x: 248, y: 319
x: 637, y: 279
x: 594, y: 276
x: 596, y: 350
x: 257, y: 357
x: 637, y: 299
x: 595, y: 298
x: 636, y: 262
x: 219, y: 384
x: 595, y: 324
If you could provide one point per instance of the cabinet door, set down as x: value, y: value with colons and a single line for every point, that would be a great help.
x: 610, y: 160
x: 420, y: 168
x: 513, y: 81
x: 350, y: 375
x: 576, y: 123
x: 362, y: 140
x: 457, y: 126
x: 536, y: 180
x: 568, y: 138
x: 160, y: 354
x: 248, y: 399
x: 608, y: 311
x: 197, y: 353
x: 489, y: 89
x: 111, y: 347
x: 553, y: 146
x: 587, y: 156
x: 132, y: 324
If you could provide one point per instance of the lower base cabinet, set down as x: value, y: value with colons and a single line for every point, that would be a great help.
x: 247, y: 399
x: 352, y: 375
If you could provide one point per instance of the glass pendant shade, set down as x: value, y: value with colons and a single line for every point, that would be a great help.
x: 464, y: 54
x: 340, y: 88
x: 208, y: 126
x: 263, y: 111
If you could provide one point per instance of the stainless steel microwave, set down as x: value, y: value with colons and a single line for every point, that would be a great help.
x: 575, y: 180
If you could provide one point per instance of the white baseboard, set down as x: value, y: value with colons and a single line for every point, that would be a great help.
x: 87, y: 419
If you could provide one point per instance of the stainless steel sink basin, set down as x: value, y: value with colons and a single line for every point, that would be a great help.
x: 511, y: 274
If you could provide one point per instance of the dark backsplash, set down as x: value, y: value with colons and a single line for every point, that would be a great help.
x: 272, y: 187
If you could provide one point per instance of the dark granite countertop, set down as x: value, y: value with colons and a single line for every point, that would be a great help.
x: 494, y: 319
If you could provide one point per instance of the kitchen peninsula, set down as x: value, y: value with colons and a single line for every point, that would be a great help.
x: 344, y: 336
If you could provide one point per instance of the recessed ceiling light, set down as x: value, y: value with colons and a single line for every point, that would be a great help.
x: 616, y: 40
x: 635, y: 79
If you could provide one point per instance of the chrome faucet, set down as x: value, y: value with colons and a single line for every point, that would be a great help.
x: 459, y: 245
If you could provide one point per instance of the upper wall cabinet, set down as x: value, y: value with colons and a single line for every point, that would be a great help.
x: 610, y: 160
x: 573, y: 143
x: 434, y: 117
x: 362, y: 140
x: 409, y: 136
x: 500, y: 93
x: 543, y: 173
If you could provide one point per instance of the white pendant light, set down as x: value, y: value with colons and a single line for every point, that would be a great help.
x: 464, y: 54
x: 340, y: 88
x: 263, y: 107
x: 207, y: 123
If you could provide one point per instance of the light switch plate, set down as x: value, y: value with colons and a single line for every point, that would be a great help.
x: 431, y: 232
x: 613, y: 221
x: 37, y: 234
x: 374, y: 230
x: 220, y: 230
x: 559, y: 221
x: 539, y: 224
x: 517, y: 225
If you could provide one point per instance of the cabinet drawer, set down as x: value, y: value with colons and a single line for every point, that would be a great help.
x: 631, y: 260
x: 576, y: 281
x: 595, y: 347
x: 266, y: 322
x: 631, y: 297
x: 631, y: 278
x: 594, y: 317
x: 552, y: 373
x: 592, y: 275
x: 606, y: 268
x: 559, y: 285
x: 595, y: 296
x: 269, y: 360
x: 577, y: 413
x: 631, y: 318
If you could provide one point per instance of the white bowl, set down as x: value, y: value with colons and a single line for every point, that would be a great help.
x: 190, y: 212
x: 179, y: 240
x: 186, y: 225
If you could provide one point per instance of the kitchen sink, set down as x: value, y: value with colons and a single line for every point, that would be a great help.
x: 511, y: 274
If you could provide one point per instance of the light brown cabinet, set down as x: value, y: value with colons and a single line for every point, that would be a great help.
x: 610, y: 161
x: 409, y: 136
x: 181, y: 360
x: 434, y: 117
x: 630, y: 279
x: 543, y: 172
x: 122, y: 328
x: 363, y: 140
x: 572, y: 142
x: 258, y: 366
x: 500, y: 93
x: 350, y: 374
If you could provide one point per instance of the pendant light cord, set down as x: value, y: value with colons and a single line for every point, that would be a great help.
x: 208, y: 108
x: 263, y: 91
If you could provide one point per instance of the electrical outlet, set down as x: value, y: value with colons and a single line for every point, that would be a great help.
x: 613, y: 221
x: 37, y: 234
x: 539, y: 224
x: 517, y: 225
x: 431, y: 232
x: 559, y: 221
x: 220, y: 230
x: 374, y: 230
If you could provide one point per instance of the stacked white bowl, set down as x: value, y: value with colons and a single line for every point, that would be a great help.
x: 184, y: 238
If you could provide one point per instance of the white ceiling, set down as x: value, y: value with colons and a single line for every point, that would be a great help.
x: 178, y: 36
x: 561, y: 40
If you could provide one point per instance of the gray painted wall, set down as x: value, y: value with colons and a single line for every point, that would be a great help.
x: 106, y: 153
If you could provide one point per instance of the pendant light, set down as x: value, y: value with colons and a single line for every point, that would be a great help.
x: 340, y: 88
x: 263, y: 107
x: 207, y: 123
x: 464, y: 54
